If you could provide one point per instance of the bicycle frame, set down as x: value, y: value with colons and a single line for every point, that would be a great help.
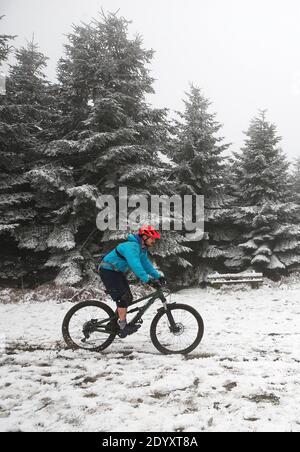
x: 141, y: 310
x: 159, y: 294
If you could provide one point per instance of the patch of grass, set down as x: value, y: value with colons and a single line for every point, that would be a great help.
x: 230, y: 386
x: 158, y: 395
x: 200, y: 356
x: 12, y: 349
x: 227, y: 359
x: 264, y: 398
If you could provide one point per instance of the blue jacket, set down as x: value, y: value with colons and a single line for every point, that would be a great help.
x: 136, y: 259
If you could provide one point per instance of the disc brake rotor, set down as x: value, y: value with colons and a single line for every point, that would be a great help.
x: 178, y: 330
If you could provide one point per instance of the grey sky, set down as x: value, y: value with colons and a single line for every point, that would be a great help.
x: 244, y: 54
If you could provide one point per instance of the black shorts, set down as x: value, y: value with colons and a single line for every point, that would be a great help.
x: 117, y: 287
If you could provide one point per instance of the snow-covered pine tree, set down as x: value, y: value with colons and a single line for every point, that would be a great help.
x: 197, y: 151
x: 5, y: 47
x: 267, y: 218
x: 109, y: 137
x: 295, y: 181
x: 23, y: 117
x: 7, y: 262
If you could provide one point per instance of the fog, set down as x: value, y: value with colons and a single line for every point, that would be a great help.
x: 245, y: 55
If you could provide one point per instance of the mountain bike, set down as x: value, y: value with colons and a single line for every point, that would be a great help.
x: 175, y: 329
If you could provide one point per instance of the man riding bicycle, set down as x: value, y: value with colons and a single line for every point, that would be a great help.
x: 133, y: 255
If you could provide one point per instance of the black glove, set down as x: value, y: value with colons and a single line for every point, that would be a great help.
x: 162, y: 280
x: 154, y: 283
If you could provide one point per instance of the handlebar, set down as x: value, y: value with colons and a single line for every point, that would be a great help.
x: 164, y: 287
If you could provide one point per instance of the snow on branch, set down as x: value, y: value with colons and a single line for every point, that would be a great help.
x: 62, y: 238
x: 34, y: 238
x: 15, y: 199
x: 69, y: 275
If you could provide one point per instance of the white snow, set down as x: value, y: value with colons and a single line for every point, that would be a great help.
x: 245, y: 376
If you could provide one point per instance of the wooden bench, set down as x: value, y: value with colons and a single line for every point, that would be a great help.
x: 217, y: 280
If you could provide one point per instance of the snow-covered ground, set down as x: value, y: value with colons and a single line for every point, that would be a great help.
x: 245, y: 376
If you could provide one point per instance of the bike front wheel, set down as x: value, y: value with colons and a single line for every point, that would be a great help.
x: 181, y: 338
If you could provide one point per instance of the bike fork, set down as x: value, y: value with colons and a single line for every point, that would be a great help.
x: 171, y: 320
x: 169, y: 314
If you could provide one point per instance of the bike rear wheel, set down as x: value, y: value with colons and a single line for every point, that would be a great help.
x: 90, y: 325
x: 185, y: 337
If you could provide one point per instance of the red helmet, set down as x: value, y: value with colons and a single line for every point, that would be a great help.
x: 149, y: 231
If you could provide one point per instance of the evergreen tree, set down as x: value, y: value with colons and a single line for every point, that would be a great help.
x: 6, y: 263
x: 23, y: 118
x: 5, y: 48
x: 197, y: 150
x: 295, y: 182
x: 109, y: 138
x: 267, y: 219
x: 262, y: 167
